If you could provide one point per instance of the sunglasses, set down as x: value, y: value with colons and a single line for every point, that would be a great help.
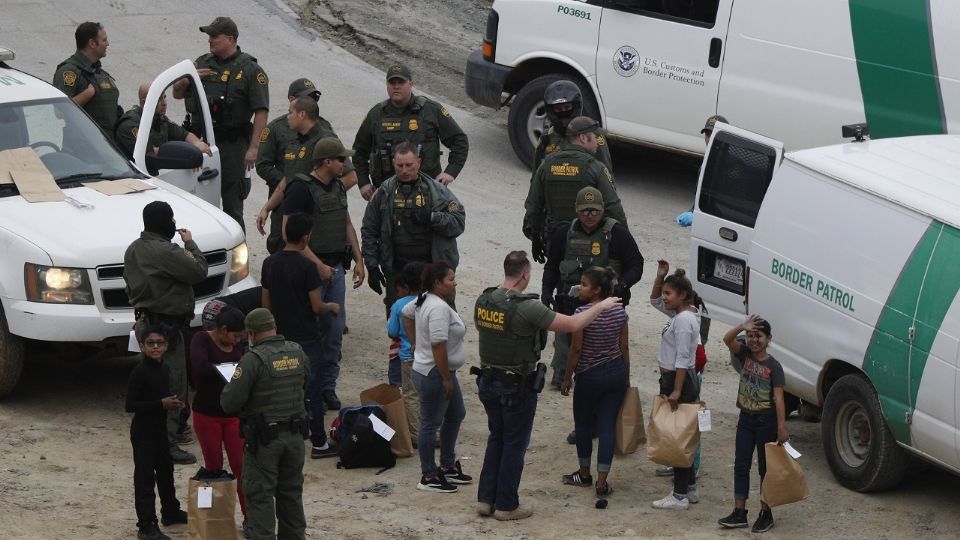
x: 155, y: 343
x: 589, y: 212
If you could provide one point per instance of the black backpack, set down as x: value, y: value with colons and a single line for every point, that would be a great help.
x: 360, y: 445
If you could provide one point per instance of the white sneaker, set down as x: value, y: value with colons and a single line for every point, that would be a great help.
x: 666, y: 470
x: 693, y: 494
x: 671, y: 502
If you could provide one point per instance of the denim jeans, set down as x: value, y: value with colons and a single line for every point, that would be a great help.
x: 753, y: 431
x: 437, y: 411
x: 596, y: 403
x: 510, y: 413
x: 311, y: 347
x: 331, y: 336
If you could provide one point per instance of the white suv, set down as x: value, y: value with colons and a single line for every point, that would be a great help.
x: 62, y: 274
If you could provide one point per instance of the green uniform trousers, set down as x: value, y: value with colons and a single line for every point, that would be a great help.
x: 232, y: 170
x: 274, y: 472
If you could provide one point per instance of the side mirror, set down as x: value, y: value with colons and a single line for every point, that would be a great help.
x: 174, y: 155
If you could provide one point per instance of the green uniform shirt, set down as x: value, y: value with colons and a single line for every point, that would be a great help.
x: 423, y: 122
x: 75, y: 74
x: 160, y: 274
x: 284, y: 153
x: 553, y: 190
x: 271, y: 378
x: 162, y: 130
x: 551, y: 141
x: 236, y: 88
x: 532, y: 316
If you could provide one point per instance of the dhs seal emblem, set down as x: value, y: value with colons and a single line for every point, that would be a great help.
x: 626, y: 61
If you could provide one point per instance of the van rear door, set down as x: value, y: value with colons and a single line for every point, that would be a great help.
x: 736, y: 172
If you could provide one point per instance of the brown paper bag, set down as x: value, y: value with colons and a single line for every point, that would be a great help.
x: 673, y: 436
x: 216, y: 522
x: 629, y: 433
x: 784, y: 482
x: 388, y: 397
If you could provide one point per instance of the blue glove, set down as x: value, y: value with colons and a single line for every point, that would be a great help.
x: 685, y: 219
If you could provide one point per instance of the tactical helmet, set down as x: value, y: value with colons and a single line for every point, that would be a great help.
x: 558, y: 93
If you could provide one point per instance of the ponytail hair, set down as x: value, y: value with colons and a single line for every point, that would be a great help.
x: 433, y: 273
x: 679, y: 282
x: 602, y: 278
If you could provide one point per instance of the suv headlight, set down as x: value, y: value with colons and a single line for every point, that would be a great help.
x: 239, y: 263
x: 55, y: 285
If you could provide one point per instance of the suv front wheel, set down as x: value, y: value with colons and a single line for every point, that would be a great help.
x: 11, y: 357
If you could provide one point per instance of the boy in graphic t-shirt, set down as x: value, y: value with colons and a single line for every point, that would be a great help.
x: 762, y: 416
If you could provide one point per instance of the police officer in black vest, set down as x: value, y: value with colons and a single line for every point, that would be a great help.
x: 512, y: 328
x: 591, y: 240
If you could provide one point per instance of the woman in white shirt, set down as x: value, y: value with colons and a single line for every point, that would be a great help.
x: 438, y: 354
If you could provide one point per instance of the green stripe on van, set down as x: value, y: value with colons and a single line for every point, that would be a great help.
x: 895, y: 60
x: 926, y: 288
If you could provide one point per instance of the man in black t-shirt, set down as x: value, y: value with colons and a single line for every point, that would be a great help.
x: 291, y: 291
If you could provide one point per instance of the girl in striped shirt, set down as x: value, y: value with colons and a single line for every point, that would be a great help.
x: 600, y: 359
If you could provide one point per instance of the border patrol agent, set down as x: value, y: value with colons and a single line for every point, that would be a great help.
x: 162, y: 130
x: 412, y: 217
x: 267, y: 390
x: 512, y: 330
x: 564, y: 102
x: 236, y: 88
x: 406, y: 117
x: 284, y: 152
x: 160, y: 276
x: 553, y: 191
x: 83, y: 79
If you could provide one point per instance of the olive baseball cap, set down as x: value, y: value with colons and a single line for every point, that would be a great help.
x: 708, y: 127
x: 584, y: 124
x: 589, y: 198
x: 304, y: 87
x: 259, y: 320
x: 329, y: 148
x: 221, y: 25
x: 399, y: 71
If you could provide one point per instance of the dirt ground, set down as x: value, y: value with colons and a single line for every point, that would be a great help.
x: 65, y: 457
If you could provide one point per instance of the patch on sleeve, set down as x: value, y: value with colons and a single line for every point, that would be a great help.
x: 134, y: 131
x: 601, y: 140
x: 264, y: 133
x: 444, y: 112
x: 189, y: 254
x: 262, y: 78
x: 609, y: 174
x: 69, y: 78
x: 237, y: 373
x: 453, y: 206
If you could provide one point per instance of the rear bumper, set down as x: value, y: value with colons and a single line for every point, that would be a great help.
x: 484, y: 80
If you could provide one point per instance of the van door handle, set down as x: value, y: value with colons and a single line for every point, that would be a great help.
x: 716, y: 47
x: 208, y: 174
x: 728, y: 234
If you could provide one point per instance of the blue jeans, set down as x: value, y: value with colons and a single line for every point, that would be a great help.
x: 436, y: 409
x: 311, y: 347
x: 596, y: 402
x: 510, y: 413
x: 753, y: 431
x: 331, y: 337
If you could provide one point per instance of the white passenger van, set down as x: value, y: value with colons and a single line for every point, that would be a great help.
x: 653, y: 70
x: 852, y: 252
x: 61, y: 279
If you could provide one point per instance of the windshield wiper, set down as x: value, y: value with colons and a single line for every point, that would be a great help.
x: 80, y: 176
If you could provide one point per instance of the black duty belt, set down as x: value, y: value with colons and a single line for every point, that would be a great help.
x: 491, y: 373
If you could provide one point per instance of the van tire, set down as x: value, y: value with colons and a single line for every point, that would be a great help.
x: 527, y: 110
x: 872, y: 465
x: 11, y: 357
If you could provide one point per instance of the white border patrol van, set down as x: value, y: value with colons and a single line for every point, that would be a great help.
x: 62, y: 274
x: 653, y: 70
x: 852, y: 252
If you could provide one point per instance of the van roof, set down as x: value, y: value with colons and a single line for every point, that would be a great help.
x: 29, y: 89
x: 921, y: 173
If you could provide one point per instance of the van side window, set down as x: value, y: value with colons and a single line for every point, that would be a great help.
x: 695, y: 12
x: 736, y: 178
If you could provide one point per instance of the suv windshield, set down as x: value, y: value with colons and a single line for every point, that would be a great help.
x: 65, y: 138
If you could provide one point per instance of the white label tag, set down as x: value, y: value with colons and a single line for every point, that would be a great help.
x: 791, y: 450
x: 205, y: 497
x: 703, y: 419
x: 381, y: 428
x: 132, y: 344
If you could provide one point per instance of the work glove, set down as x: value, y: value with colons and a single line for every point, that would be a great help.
x: 422, y: 216
x: 685, y: 219
x: 623, y: 292
x: 375, y: 279
x: 537, y: 250
x: 547, y: 300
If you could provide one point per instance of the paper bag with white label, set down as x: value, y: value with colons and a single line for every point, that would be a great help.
x: 388, y: 397
x: 210, y: 508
